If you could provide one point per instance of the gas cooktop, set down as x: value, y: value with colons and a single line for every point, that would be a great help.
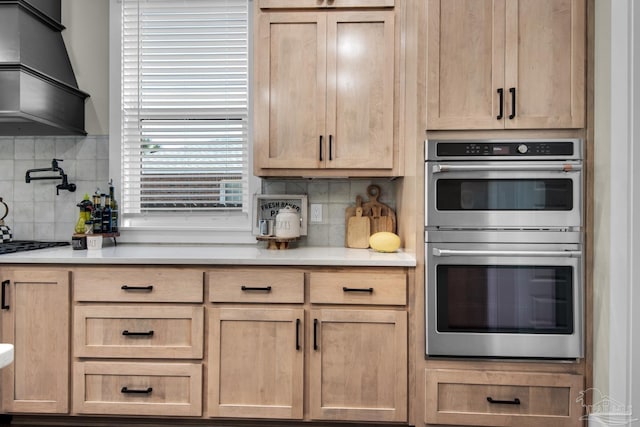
x: 27, y: 245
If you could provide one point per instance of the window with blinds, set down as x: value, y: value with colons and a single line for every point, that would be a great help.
x: 184, y: 123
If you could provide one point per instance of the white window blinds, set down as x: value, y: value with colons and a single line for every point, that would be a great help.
x: 184, y: 107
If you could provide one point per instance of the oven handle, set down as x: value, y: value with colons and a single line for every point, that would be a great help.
x: 452, y: 252
x: 565, y: 167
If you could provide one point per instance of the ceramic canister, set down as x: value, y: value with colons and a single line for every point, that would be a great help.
x: 287, y: 223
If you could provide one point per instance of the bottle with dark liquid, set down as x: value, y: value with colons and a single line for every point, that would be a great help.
x: 106, y: 215
x: 97, y: 213
x: 114, y: 208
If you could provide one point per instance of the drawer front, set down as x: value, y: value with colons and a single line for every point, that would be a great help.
x: 492, y: 398
x: 383, y: 288
x: 256, y: 285
x: 155, y: 389
x: 138, y: 285
x: 150, y: 331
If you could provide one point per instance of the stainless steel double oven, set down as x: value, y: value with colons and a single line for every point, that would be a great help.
x: 504, y: 273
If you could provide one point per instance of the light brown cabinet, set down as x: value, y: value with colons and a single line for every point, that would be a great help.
x: 324, y: 103
x: 355, y: 341
x: 358, y: 365
x: 256, y: 352
x: 358, y: 355
x: 35, y: 319
x: 518, y: 399
x: 506, y: 64
x: 149, y: 324
x: 256, y: 362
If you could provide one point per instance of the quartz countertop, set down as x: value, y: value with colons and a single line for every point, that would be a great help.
x: 128, y: 253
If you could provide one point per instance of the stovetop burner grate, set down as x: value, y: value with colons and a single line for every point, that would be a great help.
x: 27, y: 245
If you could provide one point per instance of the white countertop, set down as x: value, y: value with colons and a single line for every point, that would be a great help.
x: 209, y: 254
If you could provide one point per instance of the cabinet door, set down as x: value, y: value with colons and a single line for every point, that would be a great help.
x: 545, y: 63
x: 290, y: 73
x: 36, y: 322
x: 465, y: 65
x: 358, y: 365
x: 256, y: 363
x: 360, y: 90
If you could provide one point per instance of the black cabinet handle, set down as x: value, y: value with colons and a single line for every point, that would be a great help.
x: 297, y: 334
x: 315, y: 334
x: 137, y: 288
x: 515, y: 401
x: 5, y: 283
x: 330, y: 147
x: 512, y: 91
x: 501, y: 101
x: 147, y: 390
x: 368, y: 290
x: 256, y: 288
x: 137, y: 334
x: 320, y: 147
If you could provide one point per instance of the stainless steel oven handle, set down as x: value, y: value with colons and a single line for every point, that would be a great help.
x: 452, y: 252
x: 565, y: 167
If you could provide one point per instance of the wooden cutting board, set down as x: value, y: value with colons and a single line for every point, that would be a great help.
x: 382, y: 217
x: 358, y: 229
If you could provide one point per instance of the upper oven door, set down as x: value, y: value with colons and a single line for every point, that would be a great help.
x: 507, y: 194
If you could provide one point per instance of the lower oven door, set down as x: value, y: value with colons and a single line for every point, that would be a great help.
x: 503, y: 194
x: 504, y: 300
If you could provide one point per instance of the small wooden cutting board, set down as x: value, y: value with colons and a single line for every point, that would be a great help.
x: 358, y: 229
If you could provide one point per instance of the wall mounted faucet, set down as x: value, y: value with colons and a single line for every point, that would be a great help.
x: 64, y: 185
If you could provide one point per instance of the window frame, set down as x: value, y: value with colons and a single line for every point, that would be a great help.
x: 213, y: 228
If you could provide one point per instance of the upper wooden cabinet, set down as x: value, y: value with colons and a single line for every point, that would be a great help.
x: 323, y: 4
x: 506, y: 64
x: 324, y: 93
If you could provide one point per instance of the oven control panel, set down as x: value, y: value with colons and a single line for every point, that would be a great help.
x: 511, y: 149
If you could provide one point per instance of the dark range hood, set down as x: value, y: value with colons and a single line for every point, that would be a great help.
x: 39, y: 94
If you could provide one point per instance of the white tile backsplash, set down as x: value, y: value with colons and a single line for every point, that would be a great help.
x: 35, y: 211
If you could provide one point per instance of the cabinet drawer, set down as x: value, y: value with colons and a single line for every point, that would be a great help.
x: 138, y: 285
x: 151, y: 331
x: 256, y: 285
x: 492, y: 398
x: 358, y: 288
x: 157, y: 389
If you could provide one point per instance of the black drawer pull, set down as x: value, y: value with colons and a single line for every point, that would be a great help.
x: 515, y: 401
x: 5, y: 306
x: 256, y: 288
x: 137, y: 288
x: 315, y: 334
x: 512, y: 91
x: 368, y: 290
x: 137, y: 334
x: 148, y: 390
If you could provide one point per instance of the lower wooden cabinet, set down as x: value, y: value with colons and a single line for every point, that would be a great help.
x: 35, y: 319
x: 501, y: 398
x: 256, y: 363
x: 358, y: 365
x: 131, y: 388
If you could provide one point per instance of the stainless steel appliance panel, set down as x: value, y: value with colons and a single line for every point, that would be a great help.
x: 504, y: 300
x: 498, y: 195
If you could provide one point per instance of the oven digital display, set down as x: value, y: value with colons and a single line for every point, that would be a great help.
x: 500, y: 150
